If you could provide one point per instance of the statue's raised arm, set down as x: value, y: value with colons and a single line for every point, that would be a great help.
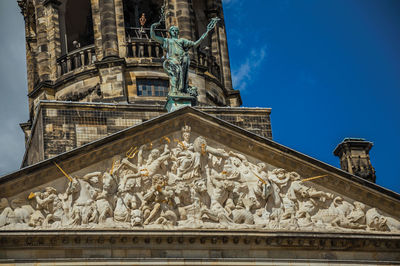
x: 210, y: 26
x: 153, y: 35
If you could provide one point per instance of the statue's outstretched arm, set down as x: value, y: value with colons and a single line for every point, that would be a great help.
x: 210, y: 26
x: 153, y: 35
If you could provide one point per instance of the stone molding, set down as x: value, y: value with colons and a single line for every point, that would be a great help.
x: 283, y: 239
x: 226, y: 245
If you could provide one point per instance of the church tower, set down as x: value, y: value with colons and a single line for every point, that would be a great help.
x: 93, y: 69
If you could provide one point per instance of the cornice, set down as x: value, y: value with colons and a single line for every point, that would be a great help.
x: 184, y: 239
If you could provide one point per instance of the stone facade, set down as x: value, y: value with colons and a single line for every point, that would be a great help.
x: 338, y: 218
x: 109, y: 177
x: 63, y: 126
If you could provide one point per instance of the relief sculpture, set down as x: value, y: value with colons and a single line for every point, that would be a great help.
x: 187, y: 184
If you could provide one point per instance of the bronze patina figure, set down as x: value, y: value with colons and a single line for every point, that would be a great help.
x: 178, y: 59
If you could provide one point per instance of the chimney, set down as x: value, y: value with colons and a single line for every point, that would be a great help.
x: 354, y: 157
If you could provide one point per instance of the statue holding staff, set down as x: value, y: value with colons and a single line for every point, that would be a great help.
x: 178, y: 60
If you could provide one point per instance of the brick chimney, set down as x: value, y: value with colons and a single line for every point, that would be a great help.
x: 354, y: 157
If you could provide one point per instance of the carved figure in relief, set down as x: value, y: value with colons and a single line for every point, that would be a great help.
x: 378, y: 222
x: 84, y: 210
x: 158, y: 202
x: 338, y: 208
x: 184, y: 155
x: 354, y: 220
x: 127, y: 203
x: 154, y: 161
x: 22, y: 211
x: 50, y: 204
x: 184, y: 184
x: 7, y: 215
x: 182, y: 199
x: 104, y: 200
x: 136, y: 218
x: 278, y: 179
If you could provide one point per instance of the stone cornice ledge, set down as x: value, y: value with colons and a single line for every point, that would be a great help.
x: 271, y: 239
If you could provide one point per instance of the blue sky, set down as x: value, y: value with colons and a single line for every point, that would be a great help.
x: 329, y: 69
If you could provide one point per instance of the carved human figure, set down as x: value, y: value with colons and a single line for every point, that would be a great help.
x: 297, y: 190
x: 127, y: 202
x: 376, y: 221
x: 157, y: 199
x: 278, y: 179
x: 178, y: 60
x: 183, y: 155
x: 84, y: 209
x: 263, y: 188
x: 68, y: 198
x: 104, y: 198
x: 6, y: 213
x: 154, y: 161
x: 338, y: 209
x: 22, y: 211
x: 182, y: 199
x: 354, y: 220
x: 50, y: 204
x: 136, y: 218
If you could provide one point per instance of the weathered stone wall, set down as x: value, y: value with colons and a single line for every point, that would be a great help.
x: 68, y: 125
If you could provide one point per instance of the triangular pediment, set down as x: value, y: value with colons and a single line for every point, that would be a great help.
x: 189, y: 170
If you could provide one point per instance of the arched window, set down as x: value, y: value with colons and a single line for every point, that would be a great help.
x: 133, y: 11
x: 76, y: 24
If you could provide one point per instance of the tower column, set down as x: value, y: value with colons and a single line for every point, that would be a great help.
x: 109, y: 29
x: 42, y: 44
x: 53, y: 35
x: 120, y: 24
x: 184, y: 19
x: 225, y: 63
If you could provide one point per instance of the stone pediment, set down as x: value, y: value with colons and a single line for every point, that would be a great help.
x: 189, y: 170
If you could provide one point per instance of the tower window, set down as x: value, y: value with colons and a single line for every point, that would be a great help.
x: 152, y: 87
x: 135, y: 9
x: 76, y: 24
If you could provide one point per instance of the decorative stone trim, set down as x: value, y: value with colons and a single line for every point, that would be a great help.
x: 304, y: 241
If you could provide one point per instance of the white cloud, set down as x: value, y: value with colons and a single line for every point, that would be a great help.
x: 243, y: 75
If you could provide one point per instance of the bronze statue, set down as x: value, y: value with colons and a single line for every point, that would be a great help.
x: 178, y: 60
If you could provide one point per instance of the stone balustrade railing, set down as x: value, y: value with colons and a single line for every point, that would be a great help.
x: 210, y: 63
x: 140, y: 45
x: 133, y: 33
x: 76, y: 59
x: 144, y: 48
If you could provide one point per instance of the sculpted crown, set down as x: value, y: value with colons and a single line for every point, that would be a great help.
x: 186, y: 129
